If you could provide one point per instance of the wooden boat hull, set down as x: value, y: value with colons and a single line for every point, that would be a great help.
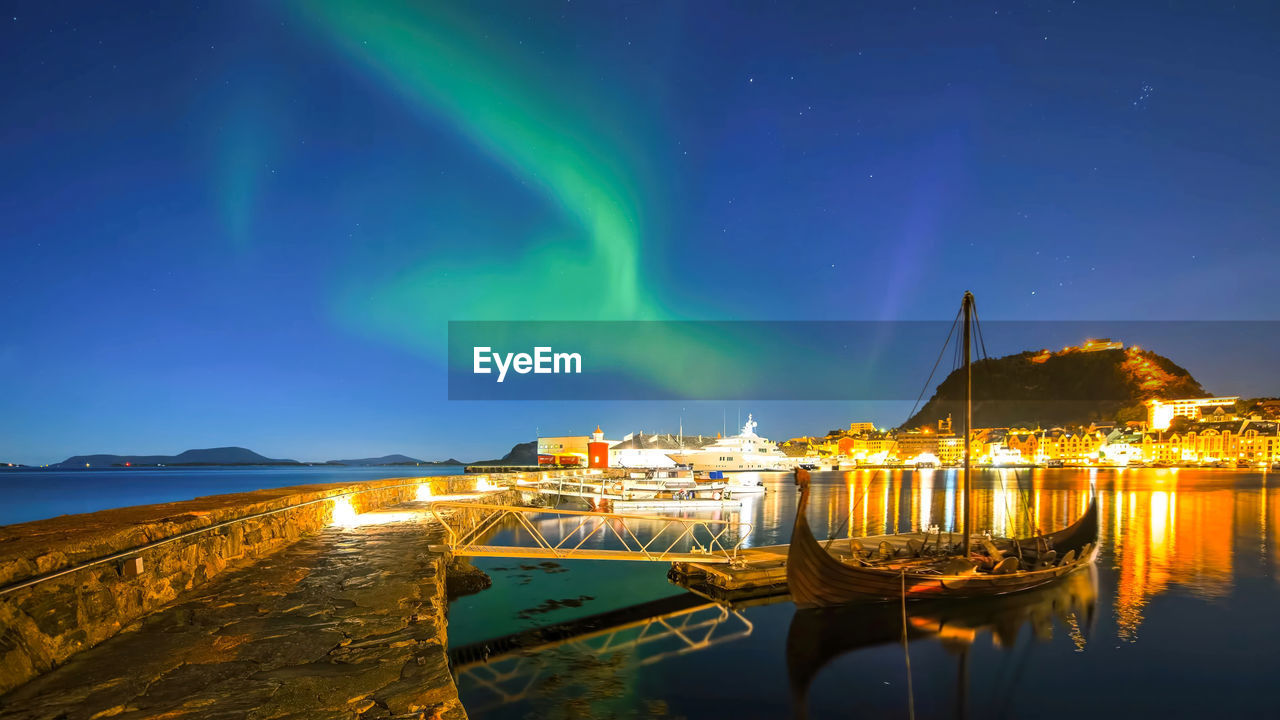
x: 817, y: 579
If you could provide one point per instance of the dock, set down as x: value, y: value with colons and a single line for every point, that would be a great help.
x: 610, y: 489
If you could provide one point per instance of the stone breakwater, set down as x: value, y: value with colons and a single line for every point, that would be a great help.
x: 44, y: 625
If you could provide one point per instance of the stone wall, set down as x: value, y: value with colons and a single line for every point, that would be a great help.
x: 42, y: 625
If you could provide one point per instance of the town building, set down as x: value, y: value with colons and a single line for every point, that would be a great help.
x: 1160, y: 413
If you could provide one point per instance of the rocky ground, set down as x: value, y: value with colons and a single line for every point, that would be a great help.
x: 346, y: 623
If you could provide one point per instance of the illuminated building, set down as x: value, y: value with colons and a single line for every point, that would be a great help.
x: 577, y: 450
x: 1160, y: 413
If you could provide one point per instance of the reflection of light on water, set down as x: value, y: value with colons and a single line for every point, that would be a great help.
x: 951, y: 502
x: 1159, y: 518
x: 926, y: 500
x: 1000, y: 508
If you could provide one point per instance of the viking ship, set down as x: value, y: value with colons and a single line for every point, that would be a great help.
x: 910, y: 570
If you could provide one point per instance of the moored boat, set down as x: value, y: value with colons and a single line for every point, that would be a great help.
x: 742, y: 452
x: 816, y: 578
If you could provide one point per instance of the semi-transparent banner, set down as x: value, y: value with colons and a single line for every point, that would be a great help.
x: 852, y: 360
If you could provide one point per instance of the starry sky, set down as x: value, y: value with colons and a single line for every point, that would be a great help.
x: 250, y: 223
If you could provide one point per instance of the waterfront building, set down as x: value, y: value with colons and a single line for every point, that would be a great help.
x: 857, y: 428
x: 1253, y: 441
x: 563, y: 450
x: 873, y: 447
x: 638, y: 450
x: 914, y: 443
x: 575, y: 450
x: 1026, y: 442
x: 1160, y: 413
x: 950, y: 449
x: 1075, y: 445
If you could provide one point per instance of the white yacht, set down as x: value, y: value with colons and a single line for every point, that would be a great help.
x: 744, y: 451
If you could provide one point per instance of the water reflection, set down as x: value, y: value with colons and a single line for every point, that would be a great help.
x: 1186, y: 555
x: 818, y: 636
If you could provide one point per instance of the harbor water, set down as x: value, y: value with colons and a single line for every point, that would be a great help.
x: 35, y: 493
x: 1176, y: 620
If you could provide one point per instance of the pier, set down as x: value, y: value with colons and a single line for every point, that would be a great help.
x: 318, y: 600
x: 322, y: 600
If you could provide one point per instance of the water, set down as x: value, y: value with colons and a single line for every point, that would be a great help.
x: 34, y: 494
x: 1177, y: 619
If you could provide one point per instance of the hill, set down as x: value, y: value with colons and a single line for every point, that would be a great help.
x: 393, y: 460
x: 204, y: 456
x: 1071, y: 387
x: 525, y: 453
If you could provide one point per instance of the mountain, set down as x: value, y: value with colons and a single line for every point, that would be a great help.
x: 205, y: 456
x: 525, y: 453
x: 393, y: 460
x: 1071, y: 387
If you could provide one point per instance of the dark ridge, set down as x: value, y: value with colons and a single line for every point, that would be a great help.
x: 1071, y: 387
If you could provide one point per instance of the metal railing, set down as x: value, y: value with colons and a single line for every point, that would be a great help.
x: 709, y: 540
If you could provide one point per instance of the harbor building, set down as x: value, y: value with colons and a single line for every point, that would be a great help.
x: 575, y: 450
x: 638, y: 450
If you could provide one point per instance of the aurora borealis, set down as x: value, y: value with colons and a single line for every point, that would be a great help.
x: 249, y: 224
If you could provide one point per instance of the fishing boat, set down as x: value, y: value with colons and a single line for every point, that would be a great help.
x: 913, y: 569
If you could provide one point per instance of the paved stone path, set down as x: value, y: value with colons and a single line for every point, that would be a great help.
x: 348, y: 623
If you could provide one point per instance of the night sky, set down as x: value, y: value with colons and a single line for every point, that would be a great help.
x: 249, y: 223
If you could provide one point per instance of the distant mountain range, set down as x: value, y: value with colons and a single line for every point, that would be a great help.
x: 1071, y: 387
x: 205, y: 456
x: 233, y: 456
x: 393, y: 460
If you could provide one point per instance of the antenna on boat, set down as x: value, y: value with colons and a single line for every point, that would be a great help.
x: 967, y: 307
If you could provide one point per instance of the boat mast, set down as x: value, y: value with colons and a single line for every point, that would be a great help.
x: 968, y: 419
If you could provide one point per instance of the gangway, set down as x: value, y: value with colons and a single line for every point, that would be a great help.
x: 670, y: 539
